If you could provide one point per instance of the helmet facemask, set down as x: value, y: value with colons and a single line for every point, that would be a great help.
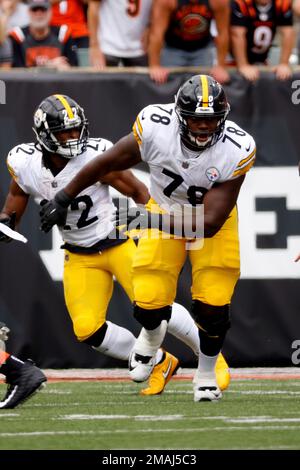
x: 71, y: 147
x: 191, y: 137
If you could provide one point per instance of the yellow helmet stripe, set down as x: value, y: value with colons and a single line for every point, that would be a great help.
x: 204, y: 84
x: 66, y: 105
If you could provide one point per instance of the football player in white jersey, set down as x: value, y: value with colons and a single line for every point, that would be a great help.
x: 92, y: 257
x: 195, y: 155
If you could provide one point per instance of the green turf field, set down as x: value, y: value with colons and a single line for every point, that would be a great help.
x: 254, y: 414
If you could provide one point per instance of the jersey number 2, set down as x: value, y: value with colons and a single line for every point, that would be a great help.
x: 83, y: 220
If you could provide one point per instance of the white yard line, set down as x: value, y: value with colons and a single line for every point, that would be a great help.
x: 8, y: 415
x: 150, y: 430
x: 263, y: 392
x: 109, y: 417
x: 262, y: 419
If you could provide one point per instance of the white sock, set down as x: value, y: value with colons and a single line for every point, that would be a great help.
x: 183, y: 327
x: 158, y: 356
x: 118, y: 342
x: 149, y: 341
x: 206, y: 365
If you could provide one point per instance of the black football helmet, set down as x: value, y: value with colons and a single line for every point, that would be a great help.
x: 201, y: 97
x: 60, y: 113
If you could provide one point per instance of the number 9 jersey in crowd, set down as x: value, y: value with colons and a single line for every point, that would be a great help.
x: 179, y: 175
x: 90, y: 217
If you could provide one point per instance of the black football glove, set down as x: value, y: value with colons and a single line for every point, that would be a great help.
x: 54, y: 212
x: 10, y: 221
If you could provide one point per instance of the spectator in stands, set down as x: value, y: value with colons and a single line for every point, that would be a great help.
x: 12, y: 13
x: 253, y: 27
x: 72, y: 13
x: 41, y: 45
x: 180, y: 36
x: 118, y: 32
x: 296, y: 7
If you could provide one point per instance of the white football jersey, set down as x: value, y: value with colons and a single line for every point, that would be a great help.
x: 121, y: 26
x: 91, y: 213
x: 180, y: 176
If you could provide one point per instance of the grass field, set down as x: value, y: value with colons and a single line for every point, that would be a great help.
x: 254, y: 414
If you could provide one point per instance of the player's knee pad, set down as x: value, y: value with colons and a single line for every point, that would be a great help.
x: 151, y: 319
x: 213, y: 320
x: 96, y: 338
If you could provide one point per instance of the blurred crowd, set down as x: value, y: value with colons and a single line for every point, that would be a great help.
x: 158, y: 34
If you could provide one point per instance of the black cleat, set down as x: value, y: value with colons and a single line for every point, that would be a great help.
x: 27, y: 380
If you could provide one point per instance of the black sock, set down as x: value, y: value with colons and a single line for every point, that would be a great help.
x: 210, y: 346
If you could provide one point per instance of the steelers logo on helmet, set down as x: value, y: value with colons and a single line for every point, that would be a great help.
x: 61, y: 126
x: 202, y: 108
x: 38, y: 117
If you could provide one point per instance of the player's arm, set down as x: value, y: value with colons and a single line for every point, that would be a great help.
x: 13, y: 209
x: 126, y: 183
x: 121, y: 156
x: 218, y: 203
x: 16, y: 201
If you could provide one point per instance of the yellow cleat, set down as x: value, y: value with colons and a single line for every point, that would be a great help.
x: 161, y: 375
x: 222, y: 373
